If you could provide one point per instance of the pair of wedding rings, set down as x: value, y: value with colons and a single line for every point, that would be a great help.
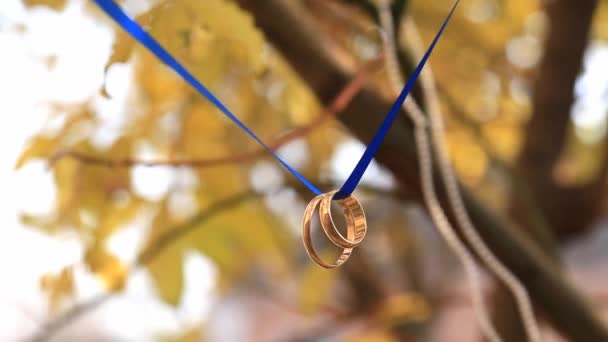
x: 356, y: 227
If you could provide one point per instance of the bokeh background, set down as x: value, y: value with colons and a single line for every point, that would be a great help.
x: 116, y: 226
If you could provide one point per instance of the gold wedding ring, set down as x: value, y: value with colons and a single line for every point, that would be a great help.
x: 307, y: 238
x: 355, y: 219
x: 356, y: 227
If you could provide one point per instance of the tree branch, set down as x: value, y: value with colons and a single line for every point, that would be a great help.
x: 303, y: 48
x: 568, y: 210
x: 336, y: 107
x: 52, y: 327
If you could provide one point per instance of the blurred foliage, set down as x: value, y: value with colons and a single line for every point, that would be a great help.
x: 58, y: 286
x: 54, y: 4
x: 219, y: 44
x: 486, y: 98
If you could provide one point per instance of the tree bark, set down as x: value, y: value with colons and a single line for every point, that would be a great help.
x: 567, y: 209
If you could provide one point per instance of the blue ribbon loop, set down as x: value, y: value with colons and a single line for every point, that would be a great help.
x: 139, y: 34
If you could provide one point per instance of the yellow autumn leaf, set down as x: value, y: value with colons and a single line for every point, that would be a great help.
x: 162, y: 256
x: 65, y: 173
x: 107, y: 267
x: 470, y: 161
x: 161, y: 86
x: 98, y: 186
x: 373, y: 335
x: 229, y: 23
x: 252, y: 229
x: 600, y: 24
x: 38, y: 221
x: 235, y: 239
x: 578, y: 164
x: 193, y: 334
x: 54, y: 4
x: 202, y: 117
x: 504, y: 139
x: 166, y: 270
x: 58, y: 286
x: 315, y: 286
x: 39, y: 147
x: 223, y: 237
x: 122, y: 49
x: 214, y: 242
x: 404, y: 308
x: 116, y: 216
x: 121, y: 52
x: 209, y: 36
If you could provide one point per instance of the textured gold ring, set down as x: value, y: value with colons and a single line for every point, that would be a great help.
x: 307, y: 238
x: 355, y: 220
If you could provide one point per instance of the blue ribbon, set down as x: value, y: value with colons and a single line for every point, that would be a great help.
x: 139, y: 34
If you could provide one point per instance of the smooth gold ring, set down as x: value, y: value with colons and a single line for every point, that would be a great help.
x: 307, y: 238
x: 355, y: 220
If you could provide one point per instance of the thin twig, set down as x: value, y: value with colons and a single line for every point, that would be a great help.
x: 179, y: 231
x: 51, y: 328
x: 338, y: 105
